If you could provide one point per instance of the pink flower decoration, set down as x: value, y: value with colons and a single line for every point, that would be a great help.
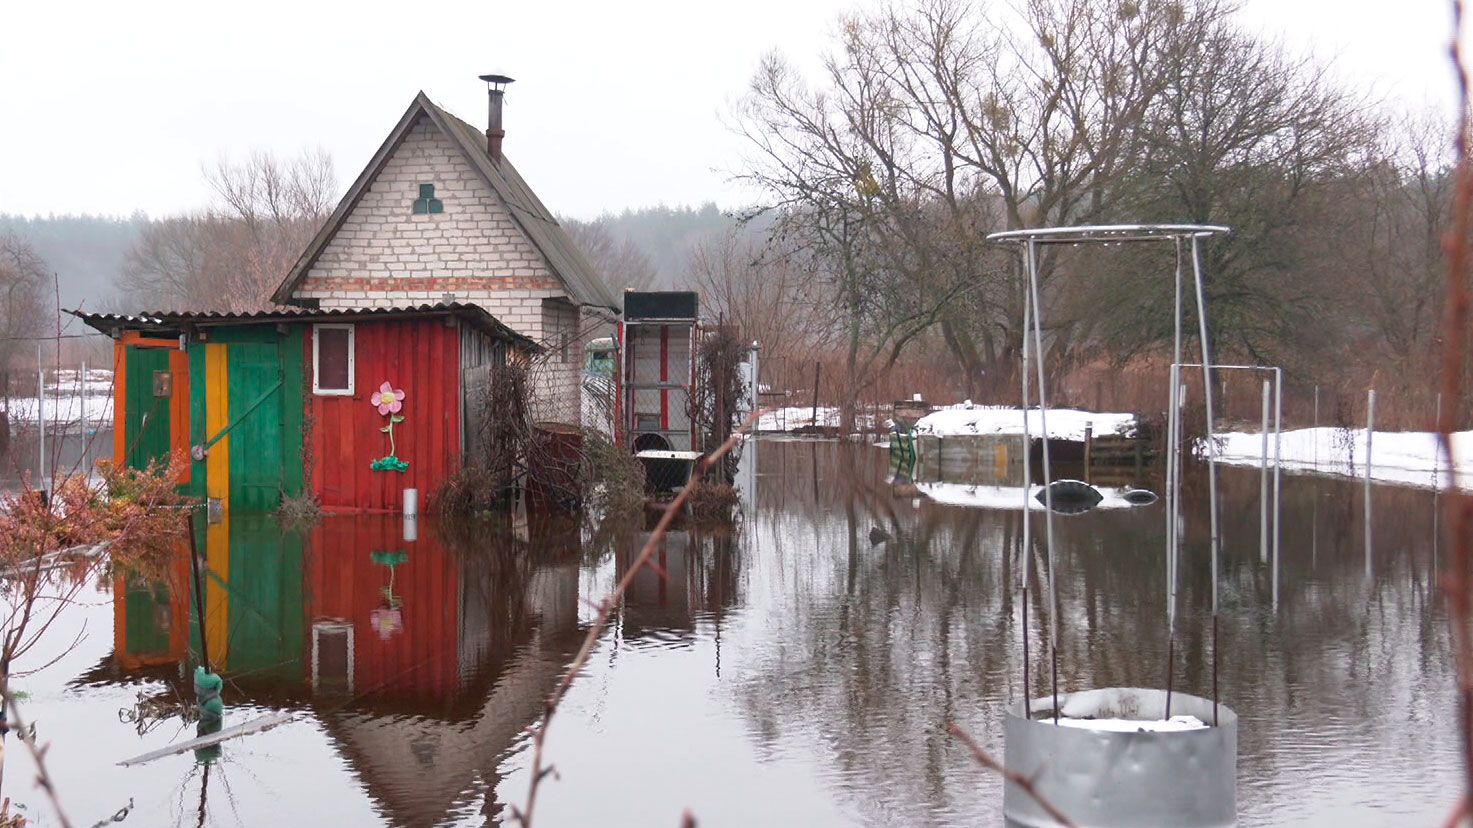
x: 386, y: 621
x: 388, y: 399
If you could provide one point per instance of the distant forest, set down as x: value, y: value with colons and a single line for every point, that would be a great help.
x: 86, y: 253
x: 89, y: 254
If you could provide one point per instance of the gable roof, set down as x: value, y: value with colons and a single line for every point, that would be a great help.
x: 531, y: 215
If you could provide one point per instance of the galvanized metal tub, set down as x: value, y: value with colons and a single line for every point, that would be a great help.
x: 1104, y: 779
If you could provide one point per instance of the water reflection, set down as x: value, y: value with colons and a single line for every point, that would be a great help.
x: 801, y: 666
x: 67, y: 451
x: 692, y: 577
x: 422, y: 658
x: 1334, y: 689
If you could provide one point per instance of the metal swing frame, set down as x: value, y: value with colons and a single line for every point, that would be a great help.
x: 1175, y: 234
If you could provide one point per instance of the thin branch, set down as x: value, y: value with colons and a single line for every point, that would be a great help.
x: 1459, y: 506
x: 43, y: 777
x: 1455, y: 817
x: 605, y: 609
x: 985, y: 759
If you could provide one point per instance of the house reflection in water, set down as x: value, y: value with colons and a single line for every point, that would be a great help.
x: 693, y: 578
x: 422, y: 658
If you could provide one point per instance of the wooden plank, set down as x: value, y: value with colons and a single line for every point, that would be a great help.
x: 197, y: 433
x: 292, y: 385
x: 255, y: 405
x: 179, y: 412
x: 120, y: 403
x: 257, y: 725
x: 148, y: 417
x: 217, y: 485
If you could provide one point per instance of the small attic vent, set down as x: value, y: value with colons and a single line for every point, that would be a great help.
x: 427, y: 203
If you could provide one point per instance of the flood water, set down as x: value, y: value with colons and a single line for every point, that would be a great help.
x: 794, y: 671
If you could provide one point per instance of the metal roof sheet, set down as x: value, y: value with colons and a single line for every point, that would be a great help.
x: 474, y: 314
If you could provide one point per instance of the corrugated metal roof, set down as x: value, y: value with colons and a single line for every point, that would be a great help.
x: 474, y: 314
x: 537, y: 222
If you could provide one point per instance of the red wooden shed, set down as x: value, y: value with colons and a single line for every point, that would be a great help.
x: 352, y: 406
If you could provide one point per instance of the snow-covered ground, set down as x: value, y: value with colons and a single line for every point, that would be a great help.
x: 1063, y: 423
x: 1008, y: 497
x: 70, y: 399
x: 1405, y: 458
x: 793, y: 418
x: 1412, y: 458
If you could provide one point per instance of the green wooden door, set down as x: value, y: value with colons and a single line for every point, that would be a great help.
x: 148, y: 619
x: 266, y: 615
x: 257, y: 444
x: 146, y: 417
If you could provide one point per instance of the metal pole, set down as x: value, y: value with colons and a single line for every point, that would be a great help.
x: 41, y: 471
x: 1027, y: 485
x: 1278, y: 455
x: 199, y: 595
x: 1173, y: 476
x: 1048, y: 495
x: 1370, y: 432
x: 1438, y: 415
x: 1211, y: 461
x: 1263, y: 481
x: 1023, y: 557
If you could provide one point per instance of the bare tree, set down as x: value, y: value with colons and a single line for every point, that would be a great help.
x: 1391, y: 245
x: 769, y: 297
x: 622, y: 264
x: 1248, y: 135
x: 234, y: 254
x: 24, y: 309
x: 938, y: 123
x: 178, y: 261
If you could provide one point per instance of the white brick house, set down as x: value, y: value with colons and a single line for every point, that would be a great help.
x: 439, y: 214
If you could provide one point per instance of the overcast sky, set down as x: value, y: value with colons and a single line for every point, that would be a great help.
x: 111, y: 107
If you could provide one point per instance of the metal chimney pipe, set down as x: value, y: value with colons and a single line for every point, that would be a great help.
x: 495, y: 90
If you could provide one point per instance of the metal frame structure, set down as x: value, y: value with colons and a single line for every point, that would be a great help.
x: 1174, y: 234
x: 1264, y: 500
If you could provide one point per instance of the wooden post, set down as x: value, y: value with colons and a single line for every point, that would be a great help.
x: 1316, y: 427
x: 1089, y: 444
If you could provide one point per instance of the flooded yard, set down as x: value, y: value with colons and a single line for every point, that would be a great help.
x: 799, y: 669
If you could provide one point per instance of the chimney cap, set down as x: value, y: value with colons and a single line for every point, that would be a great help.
x: 497, y: 79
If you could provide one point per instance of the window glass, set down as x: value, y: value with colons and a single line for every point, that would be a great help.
x: 334, y: 371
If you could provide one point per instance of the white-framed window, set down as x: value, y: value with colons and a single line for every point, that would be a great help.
x: 332, y: 360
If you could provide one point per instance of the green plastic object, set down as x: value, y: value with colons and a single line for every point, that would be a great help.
x: 207, y: 755
x: 207, y: 688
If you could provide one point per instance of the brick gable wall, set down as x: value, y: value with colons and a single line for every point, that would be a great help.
x: 386, y: 255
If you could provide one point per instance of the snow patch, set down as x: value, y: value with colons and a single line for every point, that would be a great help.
x: 1411, y: 458
x: 1172, y: 725
x: 1009, y: 497
x: 793, y: 418
x: 1063, y: 423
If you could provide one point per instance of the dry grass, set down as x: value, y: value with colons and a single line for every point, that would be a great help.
x: 299, y: 512
x: 713, y: 502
